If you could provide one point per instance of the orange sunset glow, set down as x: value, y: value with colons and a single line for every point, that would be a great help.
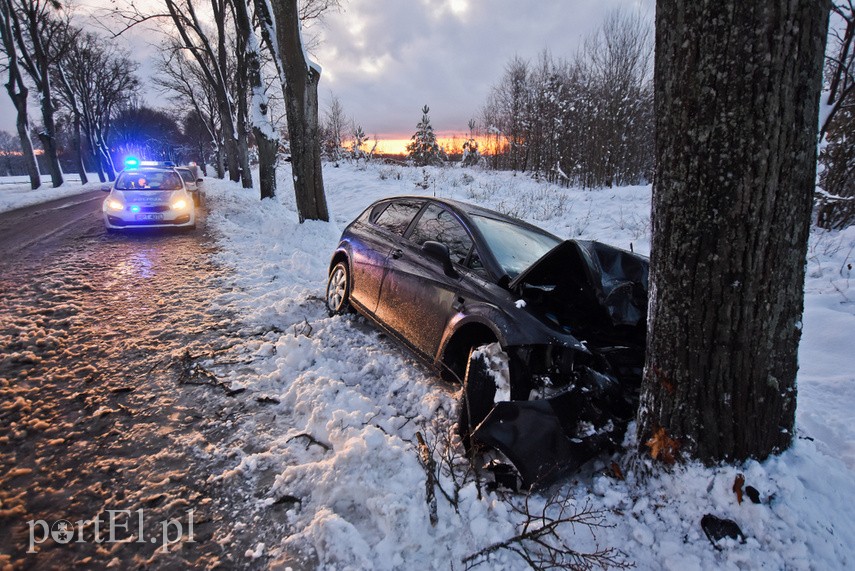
x: 451, y: 143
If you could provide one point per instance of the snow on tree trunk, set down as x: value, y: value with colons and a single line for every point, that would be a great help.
x: 262, y: 125
x: 300, y: 77
x: 737, y: 94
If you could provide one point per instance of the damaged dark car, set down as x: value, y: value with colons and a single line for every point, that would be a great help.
x: 546, y: 335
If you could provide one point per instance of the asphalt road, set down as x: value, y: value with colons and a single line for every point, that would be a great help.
x: 109, y: 436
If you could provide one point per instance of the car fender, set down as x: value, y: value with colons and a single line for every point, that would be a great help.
x: 510, y: 331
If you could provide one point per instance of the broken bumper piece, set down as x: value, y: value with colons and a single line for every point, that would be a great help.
x: 534, y: 437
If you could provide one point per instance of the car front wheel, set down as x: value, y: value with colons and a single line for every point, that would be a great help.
x: 338, y: 290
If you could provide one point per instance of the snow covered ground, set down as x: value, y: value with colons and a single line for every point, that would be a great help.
x: 15, y: 191
x: 341, y: 448
x: 339, y: 405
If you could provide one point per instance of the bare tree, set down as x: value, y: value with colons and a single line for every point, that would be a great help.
x: 93, y: 78
x: 186, y: 81
x: 736, y: 125
x: 39, y: 30
x: 333, y: 130
x: 18, y: 92
x: 836, y: 199
x: 300, y: 77
x: 589, y: 121
x: 209, y: 48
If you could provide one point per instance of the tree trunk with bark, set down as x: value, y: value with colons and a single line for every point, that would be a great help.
x: 737, y: 89
x: 301, y: 101
x: 262, y: 126
x: 47, y: 137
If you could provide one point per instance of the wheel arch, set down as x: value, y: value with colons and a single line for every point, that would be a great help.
x: 455, y: 351
x: 340, y: 255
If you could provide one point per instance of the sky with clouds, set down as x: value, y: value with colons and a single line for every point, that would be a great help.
x: 385, y: 59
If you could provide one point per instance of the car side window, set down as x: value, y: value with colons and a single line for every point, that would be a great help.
x: 398, y: 215
x: 439, y: 225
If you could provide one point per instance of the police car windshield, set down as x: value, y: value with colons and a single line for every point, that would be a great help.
x: 148, y: 180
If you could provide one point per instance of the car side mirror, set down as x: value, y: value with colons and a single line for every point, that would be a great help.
x: 198, y: 180
x: 439, y: 252
x: 106, y: 187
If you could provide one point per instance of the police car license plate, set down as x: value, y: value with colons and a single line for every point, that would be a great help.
x: 149, y: 216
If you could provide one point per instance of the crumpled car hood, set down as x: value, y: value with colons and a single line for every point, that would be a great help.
x: 619, y: 279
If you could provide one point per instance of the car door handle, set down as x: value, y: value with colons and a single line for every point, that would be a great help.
x: 397, y: 253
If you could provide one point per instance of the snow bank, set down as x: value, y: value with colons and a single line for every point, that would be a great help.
x: 15, y: 192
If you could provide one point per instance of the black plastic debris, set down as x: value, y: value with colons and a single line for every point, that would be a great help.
x: 717, y: 529
x: 505, y: 477
x: 752, y: 494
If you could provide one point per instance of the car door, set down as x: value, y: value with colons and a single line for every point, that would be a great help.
x: 372, y: 243
x: 417, y: 298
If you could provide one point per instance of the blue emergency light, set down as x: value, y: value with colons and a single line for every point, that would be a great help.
x: 132, y: 162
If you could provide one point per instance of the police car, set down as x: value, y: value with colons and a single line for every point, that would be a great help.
x: 148, y: 194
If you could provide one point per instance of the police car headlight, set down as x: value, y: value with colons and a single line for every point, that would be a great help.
x: 115, y: 205
x: 179, y: 204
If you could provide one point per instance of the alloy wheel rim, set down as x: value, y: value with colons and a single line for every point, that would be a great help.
x: 336, y: 290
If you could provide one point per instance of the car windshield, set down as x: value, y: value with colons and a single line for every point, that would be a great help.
x: 514, y: 247
x: 186, y: 175
x: 148, y: 180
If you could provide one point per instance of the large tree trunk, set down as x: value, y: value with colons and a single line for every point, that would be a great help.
x: 262, y: 126
x: 737, y: 90
x: 301, y: 102
x: 47, y: 135
x: 242, y: 127
x: 230, y: 142
x: 23, y: 126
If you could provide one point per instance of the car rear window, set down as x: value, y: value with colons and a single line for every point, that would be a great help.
x: 398, y: 215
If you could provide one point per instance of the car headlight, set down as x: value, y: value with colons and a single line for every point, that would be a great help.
x: 179, y: 204
x: 115, y: 204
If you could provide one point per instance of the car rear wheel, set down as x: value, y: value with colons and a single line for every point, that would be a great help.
x: 338, y: 290
x: 486, y: 364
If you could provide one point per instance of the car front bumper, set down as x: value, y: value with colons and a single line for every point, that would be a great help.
x: 167, y: 221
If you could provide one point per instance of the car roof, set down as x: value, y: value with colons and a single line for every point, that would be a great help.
x: 465, y: 210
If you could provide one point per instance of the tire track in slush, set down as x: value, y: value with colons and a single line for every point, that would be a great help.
x: 94, y: 328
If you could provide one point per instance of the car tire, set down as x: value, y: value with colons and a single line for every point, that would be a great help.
x: 478, y: 394
x: 338, y: 290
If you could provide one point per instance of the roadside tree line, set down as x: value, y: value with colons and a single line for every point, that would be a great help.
x: 80, y: 80
x: 586, y: 121
x: 224, y: 62
x: 240, y: 67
